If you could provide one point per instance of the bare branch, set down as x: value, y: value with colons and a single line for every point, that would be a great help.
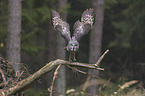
x: 55, y: 73
x: 100, y: 59
x: 4, y: 79
x: 82, y: 72
x: 26, y: 83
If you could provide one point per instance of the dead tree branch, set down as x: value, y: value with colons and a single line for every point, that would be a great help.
x: 100, y: 59
x: 26, y: 83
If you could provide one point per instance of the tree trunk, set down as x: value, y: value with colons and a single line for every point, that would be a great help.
x: 13, y: 36
x: 96, y: 40
x: 60, y: 53
x: 50, y: 43
x: 49, y: 53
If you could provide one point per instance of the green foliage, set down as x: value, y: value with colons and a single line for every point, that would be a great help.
x: 3, y: 20
x: 34, y: 22
x: 28, y: 43
x: 66, y: 8
x: 123, y: 38
x: 44, y: 13
x: 124, y: 33
x: 110, y: 3
x: 129, y: 22
x: 3, y: 25
x: 30, y: 16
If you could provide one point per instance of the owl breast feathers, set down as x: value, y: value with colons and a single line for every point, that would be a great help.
x: 80, y: 28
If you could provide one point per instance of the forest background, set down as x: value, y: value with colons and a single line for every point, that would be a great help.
x: 123, y: 35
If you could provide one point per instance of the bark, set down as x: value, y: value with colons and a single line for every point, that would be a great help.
x: 96, y: 39
x: 50, y: 43
x: 49, y: 54
x: 26, y: 83
x: 13, y: 36
x: 60, y: 53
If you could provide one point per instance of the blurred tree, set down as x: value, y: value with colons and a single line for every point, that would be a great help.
x: 50, y: 45
x: 96, y: 40
x: 3, y: 25
x: 129, y: 36
x: 124, y: 33
x: 60, y: 52
x: 38, y: 36
x: 13, y: 36
x: 34, y: 25
x: 49, y: 52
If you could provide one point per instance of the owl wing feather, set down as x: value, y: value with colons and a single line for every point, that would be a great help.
x: 83, y: 27
x: 61, y: 26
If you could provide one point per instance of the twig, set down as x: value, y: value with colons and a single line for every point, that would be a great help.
x: 55, y: 73
x: 82, y: 72
x: 25, y: 68
x: 74, y: 68
x: 85, y: 65
x: 4, y: 79
x: 19, y: 77
x: 100, y: 59
x: 27, y: 82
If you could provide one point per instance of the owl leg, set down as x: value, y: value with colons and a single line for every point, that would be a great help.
x: 70, y: 60
x: 72, y: 57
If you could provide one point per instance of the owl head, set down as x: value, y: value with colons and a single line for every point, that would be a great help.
x: 73, y: 45
x: 80, y: 28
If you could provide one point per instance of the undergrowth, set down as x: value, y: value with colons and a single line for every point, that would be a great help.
x: 106, y: 88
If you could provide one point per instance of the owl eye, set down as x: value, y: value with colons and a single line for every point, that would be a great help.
x: 75, y: 45
x: 71, y: 44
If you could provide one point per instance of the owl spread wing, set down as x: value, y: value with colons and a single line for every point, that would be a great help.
x: 61, y: 26
x: 83, y: 27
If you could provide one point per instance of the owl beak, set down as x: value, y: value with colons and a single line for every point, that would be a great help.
x: 74, y: 49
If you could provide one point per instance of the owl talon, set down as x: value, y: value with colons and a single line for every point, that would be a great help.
x: 74, y: 59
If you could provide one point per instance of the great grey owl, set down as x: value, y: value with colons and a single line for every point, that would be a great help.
x: 80, y: 28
